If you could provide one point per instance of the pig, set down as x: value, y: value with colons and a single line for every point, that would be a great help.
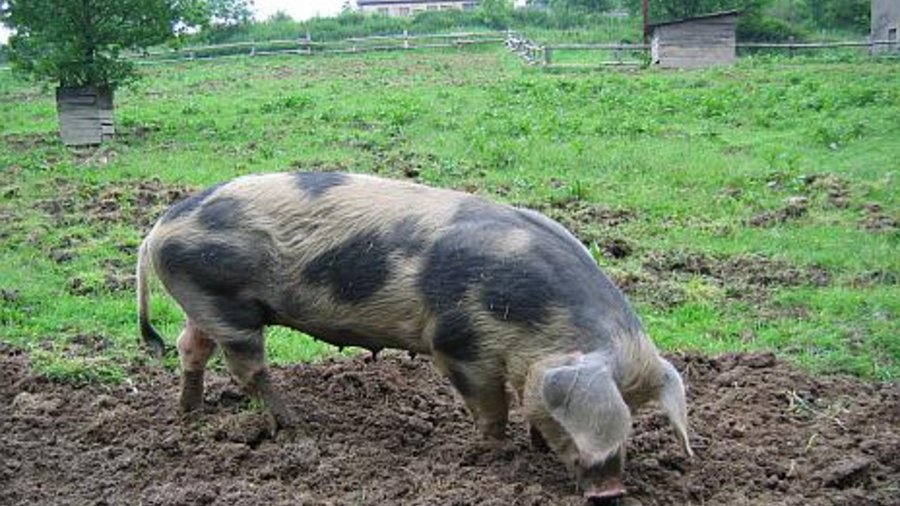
x: 504, y: 300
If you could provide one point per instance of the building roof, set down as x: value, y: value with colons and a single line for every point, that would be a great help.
x: 362, y: 3
x: 720, y: 14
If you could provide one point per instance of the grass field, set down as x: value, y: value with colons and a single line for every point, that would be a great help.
x: 745, y: 208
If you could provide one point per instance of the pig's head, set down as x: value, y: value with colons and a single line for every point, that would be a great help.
x: 575, y: 402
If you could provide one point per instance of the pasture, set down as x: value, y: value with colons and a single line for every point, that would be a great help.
x: 743, y: 210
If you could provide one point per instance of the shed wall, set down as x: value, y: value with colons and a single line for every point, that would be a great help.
x: 85, y: 115
x: 695, y: 43
x: 886, y: 24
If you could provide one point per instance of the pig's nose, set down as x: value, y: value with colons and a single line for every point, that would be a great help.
x: 607, y: 494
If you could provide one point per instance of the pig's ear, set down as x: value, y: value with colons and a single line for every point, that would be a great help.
x: 585, y: 400
x: 672, y: 400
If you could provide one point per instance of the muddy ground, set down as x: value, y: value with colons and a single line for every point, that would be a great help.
x: 392, y: 432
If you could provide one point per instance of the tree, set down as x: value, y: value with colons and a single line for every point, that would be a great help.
x: 841, y: 13
x: 79, y: 42
x: 229, y: 12
x: 676, y: 9
x: 496, y: 13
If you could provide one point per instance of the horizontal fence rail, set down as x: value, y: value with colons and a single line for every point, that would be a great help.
x: 815, y: 45
x: 620, y: 54
x: 307, y: 46
x: 543, y: 54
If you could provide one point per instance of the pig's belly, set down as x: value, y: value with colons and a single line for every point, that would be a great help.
x: 375, y: 325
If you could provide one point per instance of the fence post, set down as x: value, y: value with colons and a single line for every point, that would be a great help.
x: 253, y: 49
x: 548, y: 56
x: 308, y: 43
x: 791, y: 46
x: 405, y: 39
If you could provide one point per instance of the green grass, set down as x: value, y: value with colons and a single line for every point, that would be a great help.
x: 691, y: 157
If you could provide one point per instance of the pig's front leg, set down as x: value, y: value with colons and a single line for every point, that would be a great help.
x: 483, y: 389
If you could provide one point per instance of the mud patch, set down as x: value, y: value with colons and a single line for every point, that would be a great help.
x: 670, y: 278
x: 878, y: 220
x: 29, y: 142
x: 392, y: 432
x: 835, y: 188
x: 593, y: 224
x: 138, y: 203
x: 794, y: 208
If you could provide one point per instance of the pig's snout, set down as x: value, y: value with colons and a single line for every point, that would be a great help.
x: 602, y: 481
x: 605, y: 492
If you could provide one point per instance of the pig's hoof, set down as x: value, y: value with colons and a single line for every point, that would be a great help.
x: 283, y: 422
x: 488, y: 450
x: 191, y: 420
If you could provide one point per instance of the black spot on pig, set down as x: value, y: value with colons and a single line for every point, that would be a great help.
x: 242, y: 312
x: 354, y: 270
x: 456, y: 337
x: 316, y: 184
x: 344, y: 336
x: 216, y: 268
x: 244, y: 348
x: 407, y: 236
x: 520, y: 290
x: 189, y: 204
x: 460, y: 380
x: 553, y: 272
x: 221, y: 214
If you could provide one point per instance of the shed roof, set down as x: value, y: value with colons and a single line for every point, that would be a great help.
x: 720, y: 14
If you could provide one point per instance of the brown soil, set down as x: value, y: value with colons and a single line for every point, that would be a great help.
x: 794, y: 208
x: 877, y: 220
x: 392, y: 432
x: 663, y: 280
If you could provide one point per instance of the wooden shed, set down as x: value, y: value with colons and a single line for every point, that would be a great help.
x: 885, y: 24
x: 701, y: 41
x: 85, y: 115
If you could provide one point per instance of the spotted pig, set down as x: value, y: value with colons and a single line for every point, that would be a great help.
x: 497, y: 296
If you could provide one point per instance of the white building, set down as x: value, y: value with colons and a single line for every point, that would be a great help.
x: 412, y: 7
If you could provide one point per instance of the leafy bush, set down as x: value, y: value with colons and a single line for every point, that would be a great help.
x: 762, y: 28
x: 354, y: 24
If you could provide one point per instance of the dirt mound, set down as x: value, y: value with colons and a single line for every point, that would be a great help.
x: 392, y: 432
x: 751, y: 278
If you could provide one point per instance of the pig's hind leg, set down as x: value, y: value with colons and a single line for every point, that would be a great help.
x: 195, y: 348
x: 245, y: 356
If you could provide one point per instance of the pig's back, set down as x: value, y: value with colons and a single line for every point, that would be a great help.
x: 367, y: 261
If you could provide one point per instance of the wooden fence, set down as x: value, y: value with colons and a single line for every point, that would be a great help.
x: 307, y: 46
x: 533, y: 53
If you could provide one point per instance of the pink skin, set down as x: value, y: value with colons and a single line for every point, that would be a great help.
x: 597, y: 496
x: 602, y: 484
